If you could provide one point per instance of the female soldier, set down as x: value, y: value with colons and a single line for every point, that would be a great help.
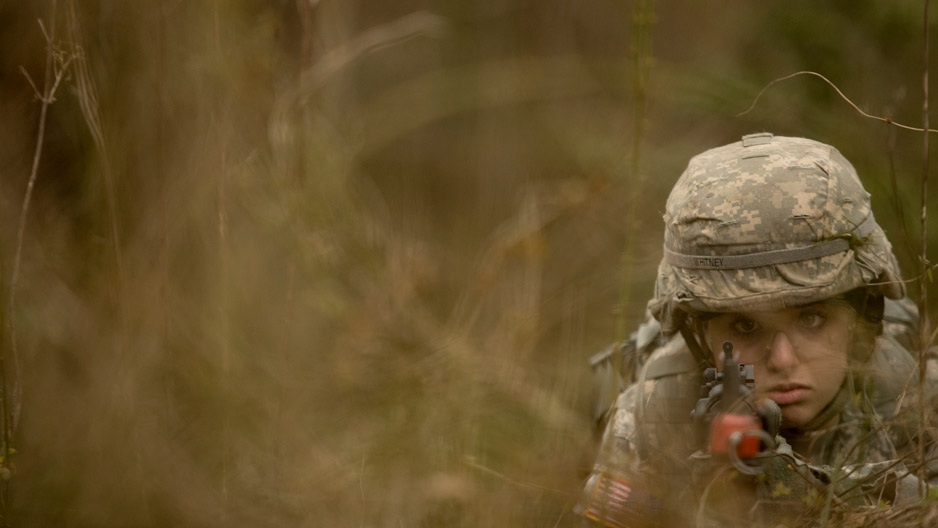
x: 771, y: 247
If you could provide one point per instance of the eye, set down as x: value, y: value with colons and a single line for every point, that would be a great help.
x: 744, y: 326
x: 811, y: 319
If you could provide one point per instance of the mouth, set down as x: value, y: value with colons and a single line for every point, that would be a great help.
x: 788, y: 393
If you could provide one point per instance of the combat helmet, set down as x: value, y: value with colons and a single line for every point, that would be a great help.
x: 768, y: 223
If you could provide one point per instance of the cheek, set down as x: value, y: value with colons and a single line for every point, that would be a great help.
x: 833, y: 361
x: 827, y: 380
x: 829, y: 360
x: 838, y: 345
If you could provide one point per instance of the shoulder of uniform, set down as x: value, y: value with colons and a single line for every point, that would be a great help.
x: 893, y: 368
x: 901, y: 322
x: 671, y: 359
x: 889, y: 368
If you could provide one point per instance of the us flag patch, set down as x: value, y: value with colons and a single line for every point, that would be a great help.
x: 616, y: 503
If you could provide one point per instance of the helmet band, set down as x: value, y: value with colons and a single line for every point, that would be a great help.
x: 767, y: 258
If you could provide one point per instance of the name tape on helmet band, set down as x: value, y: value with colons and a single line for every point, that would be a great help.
x: 766, y: 258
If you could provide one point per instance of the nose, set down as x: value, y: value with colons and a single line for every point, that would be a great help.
x: 781, y: 353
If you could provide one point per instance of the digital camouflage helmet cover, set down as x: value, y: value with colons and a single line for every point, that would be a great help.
x: 768, y: 223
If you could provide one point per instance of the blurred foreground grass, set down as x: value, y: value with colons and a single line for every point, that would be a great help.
x: 343, y: 263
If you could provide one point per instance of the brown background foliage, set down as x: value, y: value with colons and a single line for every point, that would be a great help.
x: 342, y: 263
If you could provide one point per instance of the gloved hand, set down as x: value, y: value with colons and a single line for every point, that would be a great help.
x: 772, y: 489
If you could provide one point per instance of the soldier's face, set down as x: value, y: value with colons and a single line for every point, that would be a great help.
x: 799, y: 354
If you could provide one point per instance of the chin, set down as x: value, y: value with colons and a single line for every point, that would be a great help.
x: 794, y: 420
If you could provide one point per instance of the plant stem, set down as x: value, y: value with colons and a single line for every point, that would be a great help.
x: 923, y: 283
x: 640, y: 51
x: 46, y: 98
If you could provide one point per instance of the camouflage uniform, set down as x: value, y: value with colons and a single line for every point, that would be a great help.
x: 765, y: 224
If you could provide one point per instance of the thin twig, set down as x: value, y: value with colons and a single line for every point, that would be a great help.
x: 53, y: 76
x: 42, y: 27
x: 896, y: 196
x: 361, y: 488
x: 923, y: 285
x: 640, y: 51
x: 470, y: 461
x: 59, y: 74
x: 840, y: 93
x: 31, y: 83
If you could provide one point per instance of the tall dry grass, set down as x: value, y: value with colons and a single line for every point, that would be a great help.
x: 342, y: 263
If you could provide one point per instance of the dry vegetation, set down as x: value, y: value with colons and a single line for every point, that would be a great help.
x: 342, y: 263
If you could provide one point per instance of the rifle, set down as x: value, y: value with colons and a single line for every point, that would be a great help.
x: 728, y: 418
